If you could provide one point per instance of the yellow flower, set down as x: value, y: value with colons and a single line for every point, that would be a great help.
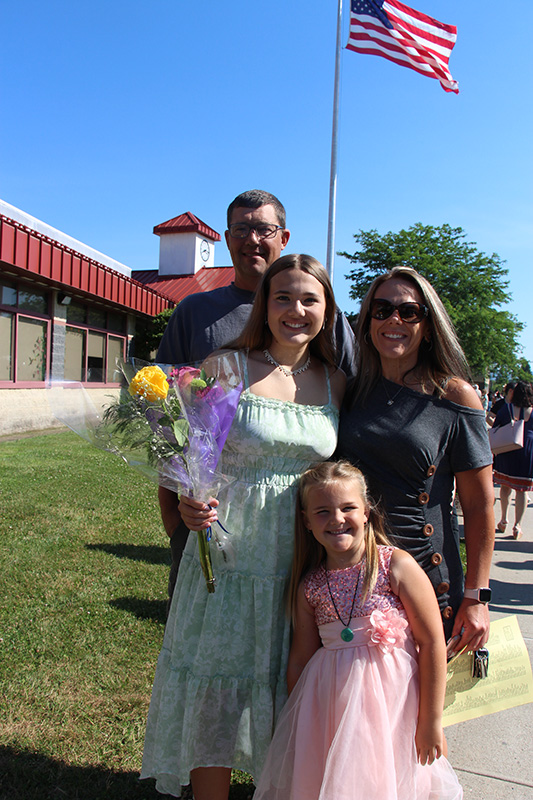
x: 149, y: 383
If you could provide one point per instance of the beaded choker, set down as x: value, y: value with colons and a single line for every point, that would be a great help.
x: 269, y: 357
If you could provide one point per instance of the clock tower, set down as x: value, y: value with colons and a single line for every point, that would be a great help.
x: 186, y: 245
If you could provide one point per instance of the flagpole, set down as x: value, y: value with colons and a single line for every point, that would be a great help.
x: 330, y: 255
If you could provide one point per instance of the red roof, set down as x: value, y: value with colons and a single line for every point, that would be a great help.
x: 179, y: 286
x: 25, y: 251
x: 186, y: 223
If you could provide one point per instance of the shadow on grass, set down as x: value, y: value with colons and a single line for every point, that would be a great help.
x: 31, y: 776
x: 153, y: 610
x: 151, y: 554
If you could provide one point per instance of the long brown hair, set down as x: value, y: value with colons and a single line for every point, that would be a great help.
x: 310, y: 554
x: 256, y: 334
x: 440, y: 358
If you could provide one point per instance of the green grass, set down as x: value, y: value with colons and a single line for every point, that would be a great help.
x: 84, y: 564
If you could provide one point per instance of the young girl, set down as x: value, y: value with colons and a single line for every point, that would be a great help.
x: 362, y: 722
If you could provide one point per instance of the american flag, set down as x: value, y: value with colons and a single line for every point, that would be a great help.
x: 390, y: 29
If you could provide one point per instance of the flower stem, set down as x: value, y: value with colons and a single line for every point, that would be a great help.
x: 205, y: 561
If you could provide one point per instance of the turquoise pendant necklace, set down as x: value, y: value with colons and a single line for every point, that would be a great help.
x: 346, y: 633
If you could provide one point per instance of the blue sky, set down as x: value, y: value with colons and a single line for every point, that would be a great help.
x: 117, y: 116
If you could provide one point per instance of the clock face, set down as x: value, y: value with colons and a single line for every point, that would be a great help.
x: 205, y: 250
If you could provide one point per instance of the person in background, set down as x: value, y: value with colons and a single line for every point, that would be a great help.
x: 500, y: 402
x: 206, y: 321
x: 514, y: 470
x: 416, y: 428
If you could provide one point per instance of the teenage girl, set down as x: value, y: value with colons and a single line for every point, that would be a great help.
x: 367, y: 666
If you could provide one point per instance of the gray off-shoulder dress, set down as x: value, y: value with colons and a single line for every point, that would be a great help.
x: 410, y: 451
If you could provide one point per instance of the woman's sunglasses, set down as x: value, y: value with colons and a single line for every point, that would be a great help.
x: 409, y: 312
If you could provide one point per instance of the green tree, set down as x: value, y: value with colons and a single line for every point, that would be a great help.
x: 524, y: 372
x: 472, y: 285
x: 148, y: 334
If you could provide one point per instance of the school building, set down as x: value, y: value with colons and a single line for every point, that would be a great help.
x: 68, y: 312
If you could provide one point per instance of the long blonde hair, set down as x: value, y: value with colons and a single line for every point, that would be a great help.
x: 310, y: 554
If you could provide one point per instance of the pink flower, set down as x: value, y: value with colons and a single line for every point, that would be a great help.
x: 388, y: 629
x: 186, y: 375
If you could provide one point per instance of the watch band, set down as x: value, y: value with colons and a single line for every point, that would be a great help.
x: 482, y: 595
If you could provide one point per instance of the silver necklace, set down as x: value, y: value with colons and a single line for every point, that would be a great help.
x: 390, y: 400
x: 286, y: 371
x: 346, y: 633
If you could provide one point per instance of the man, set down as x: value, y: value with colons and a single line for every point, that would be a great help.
x: 203, y: 322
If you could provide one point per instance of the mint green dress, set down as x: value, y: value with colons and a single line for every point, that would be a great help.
x: 221, y: 675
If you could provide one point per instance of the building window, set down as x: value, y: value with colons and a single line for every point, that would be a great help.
x: 33, y: 300
x: 76, y: 313
x: 31, y: 349
x: 24, y: 333
x: 74, y: 355
x: 6, y: 346
x: 90, y: 356
x: 96, y: 317
x: 115, y: 350
x: 95, y: 357
x: 8, y: 294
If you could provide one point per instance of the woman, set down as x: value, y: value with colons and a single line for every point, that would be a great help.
x: 221, y: 675
x: 508, y: 390
x: 417, y: 430
x: 514, y: 470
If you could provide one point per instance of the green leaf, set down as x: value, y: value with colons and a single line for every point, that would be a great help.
x: 181, y: 431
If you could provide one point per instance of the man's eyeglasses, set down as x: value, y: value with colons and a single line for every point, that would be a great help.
x: 240, y: 230
x: 409, y: 312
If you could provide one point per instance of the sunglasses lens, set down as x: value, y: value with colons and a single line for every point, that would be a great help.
x: 381, y: 309
x: 411, y: 312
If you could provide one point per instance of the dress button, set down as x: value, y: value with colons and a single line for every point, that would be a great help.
x: 447, y: 612
x: 431, y: 470
x: 428, y: 530
x: 436, y: 559
x: 423, y: 498
x: 442, y: 587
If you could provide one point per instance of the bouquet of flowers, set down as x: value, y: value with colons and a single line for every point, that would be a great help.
x: 171, y: 424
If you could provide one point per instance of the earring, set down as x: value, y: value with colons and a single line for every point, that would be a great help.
x: 366, y: 337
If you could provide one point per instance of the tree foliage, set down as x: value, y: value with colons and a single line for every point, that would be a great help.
x: 472, y: 285
x: 148, y: 334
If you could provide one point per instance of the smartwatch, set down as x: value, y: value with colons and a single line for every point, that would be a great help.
x: 481, y: 595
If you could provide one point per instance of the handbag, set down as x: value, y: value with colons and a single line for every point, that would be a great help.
x: 506, y: 438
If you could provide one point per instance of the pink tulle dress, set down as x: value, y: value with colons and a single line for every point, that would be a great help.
x: 347, y: 731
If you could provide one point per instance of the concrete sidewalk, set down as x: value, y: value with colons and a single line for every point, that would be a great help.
x: 493, y: 755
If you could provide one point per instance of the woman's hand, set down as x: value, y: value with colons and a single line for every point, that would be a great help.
x: 471, y: 627
x: 197, y: 515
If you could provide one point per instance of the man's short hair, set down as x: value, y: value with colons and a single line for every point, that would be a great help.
x: 255, y: 198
